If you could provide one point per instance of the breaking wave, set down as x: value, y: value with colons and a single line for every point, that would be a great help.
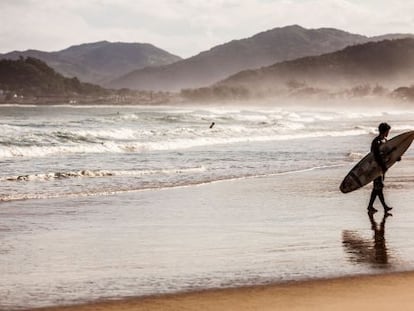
x: 103, y: 141
x: 98, y: 173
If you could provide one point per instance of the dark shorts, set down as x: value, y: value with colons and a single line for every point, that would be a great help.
x: 379, y: 183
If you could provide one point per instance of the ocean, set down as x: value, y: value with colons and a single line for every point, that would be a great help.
x: 106, y: 202
x: 69, y: 151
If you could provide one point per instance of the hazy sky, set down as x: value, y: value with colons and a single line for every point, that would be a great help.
x: 186, y: 27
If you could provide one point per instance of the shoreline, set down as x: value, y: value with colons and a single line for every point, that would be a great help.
x: 167, y: 187
x: 337, y: 271
x: 178, y: 102
x: 371, y: 292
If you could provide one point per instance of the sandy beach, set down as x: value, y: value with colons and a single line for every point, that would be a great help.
x: 383, y: 292
x: 334, y: 257
x: 206, y: 155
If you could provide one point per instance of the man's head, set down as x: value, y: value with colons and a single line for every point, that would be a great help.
x: 384, y: 128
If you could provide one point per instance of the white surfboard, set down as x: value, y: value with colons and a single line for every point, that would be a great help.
x: 368, y: 169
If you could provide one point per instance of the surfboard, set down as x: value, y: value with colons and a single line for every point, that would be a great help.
x: 368, y: 169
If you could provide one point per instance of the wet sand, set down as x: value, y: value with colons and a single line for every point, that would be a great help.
x: 381, y: 292
x: 285, y: 242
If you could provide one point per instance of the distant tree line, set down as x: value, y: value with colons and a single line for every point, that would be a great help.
x: 222, y: 92
x: 291, y: 88
x: 404, y: 93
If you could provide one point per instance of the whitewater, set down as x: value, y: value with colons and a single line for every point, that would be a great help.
x: 71, y: 151
x: 113, y: 202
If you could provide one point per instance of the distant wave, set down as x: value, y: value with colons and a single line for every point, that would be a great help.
x: 106, y: 191
x: 54, y: 152
x: 138, y: 130
x: 98, y: 173
x: 103, y: 141
x: 352, y: 156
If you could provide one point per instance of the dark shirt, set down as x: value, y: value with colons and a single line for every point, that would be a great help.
x: 375, y: 149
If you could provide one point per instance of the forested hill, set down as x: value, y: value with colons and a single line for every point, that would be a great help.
x: 389, y: 63
x: 99, y: 61
x: 32, y: 77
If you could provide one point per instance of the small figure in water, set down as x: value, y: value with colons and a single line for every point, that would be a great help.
x: 212, y: 124
x: 384, y: 130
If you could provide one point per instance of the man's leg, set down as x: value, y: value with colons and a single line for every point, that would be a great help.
x: 374, y: 194
x: 380, y: 186
x: 381, y: 197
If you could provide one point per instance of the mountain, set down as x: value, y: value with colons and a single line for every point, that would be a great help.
x: 33, y: 77
x: 221, y: 61
x: 263, y: 49
x: 393, y: 36
x: 100, y: 61
x: 405, y: 93
x: 388, y: 63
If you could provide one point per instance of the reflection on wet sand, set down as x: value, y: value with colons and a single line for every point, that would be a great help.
x: 372, y: 251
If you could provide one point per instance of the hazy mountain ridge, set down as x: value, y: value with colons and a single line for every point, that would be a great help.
x: 359, y: 69
x: 262, y: 49
x: 100, y: 61
x: 31, y: 81
x: 381, y: 62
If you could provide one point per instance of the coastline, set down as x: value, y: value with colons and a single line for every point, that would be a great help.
x: 271, y: 220
x: 369, y: 292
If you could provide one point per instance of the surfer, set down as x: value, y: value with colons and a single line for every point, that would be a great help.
x: 384, y: 130
x: 212, y: 124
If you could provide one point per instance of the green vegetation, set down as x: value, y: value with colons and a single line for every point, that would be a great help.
x: 404, y: 93
x: 32, y: 77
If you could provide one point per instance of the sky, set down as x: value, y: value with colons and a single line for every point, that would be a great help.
x: 186, y: 27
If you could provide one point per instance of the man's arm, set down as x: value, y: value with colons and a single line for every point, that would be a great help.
x: 377, y: 154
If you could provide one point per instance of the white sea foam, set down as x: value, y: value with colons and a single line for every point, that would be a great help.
x: 101, y: 173
x: 60, y: 151
x: 355, y: 156
x: 121, y: 140
x: 114, y: 133
x: 113, y: 191
x: 402, y: 127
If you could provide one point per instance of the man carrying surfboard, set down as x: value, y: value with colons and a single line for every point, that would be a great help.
x: 384, y: 130
x: 372, y: 167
